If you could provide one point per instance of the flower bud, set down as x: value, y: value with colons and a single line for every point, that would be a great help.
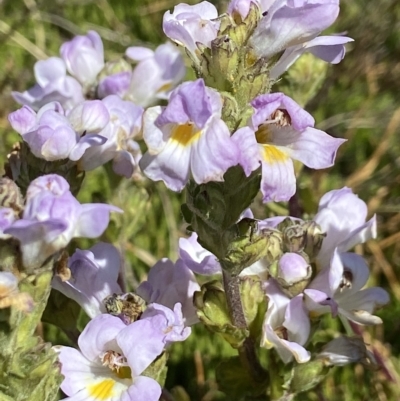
x: 293, y: 273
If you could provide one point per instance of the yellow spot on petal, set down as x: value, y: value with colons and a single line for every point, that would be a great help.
x: 166, y: 87
x: 185, y: 134
x: 102, y: 390
x: 272, y: 154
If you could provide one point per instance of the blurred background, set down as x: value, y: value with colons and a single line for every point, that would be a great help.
x: 358, y: 99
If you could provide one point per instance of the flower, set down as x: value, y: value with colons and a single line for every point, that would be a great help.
x: 328, y: 48
x: 7, y: 217
x: 288, y: 23
x: 111, y: 359
x: 170, y: 283
x: 124, y: 125
x: 339, y: 289
x: 241, y: 7
x: 94, y: 275
x: 156, y: 74
x: 52, y: 217
x: 84, y: 57
x: 53, y: 134
x: 286, y: 324
x: 175, y: 328
x: 53, y: 85
x: 192, y: 24
x: 187, y: 137
x: 280, y: 131
x: 342, y: 216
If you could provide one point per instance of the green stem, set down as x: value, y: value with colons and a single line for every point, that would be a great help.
x: 247, y: 352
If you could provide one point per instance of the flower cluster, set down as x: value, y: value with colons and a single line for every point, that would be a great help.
x: 84, y: 112
x: 293, y: 295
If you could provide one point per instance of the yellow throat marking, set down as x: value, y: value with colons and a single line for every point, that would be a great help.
x: 102, y: 390
x: 185, y: 134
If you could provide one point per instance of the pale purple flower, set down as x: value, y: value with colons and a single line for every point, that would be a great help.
x: 84, y: 57
x: 156, y: 74
x: 94, y: 274
x: 52, y: 217
x: 328, y: 48
x: 241, y: 7
x: 53, y: 134
x: 170, y: 283
x: 338, y: 289
x: 192, y: 24
x: 281, y: 131
x: 288, y: 23
x: 53, y: 85
x: 188, y: 138
x: 7, y: 217
x: 175, y: 328
x: 124, y: 125
x: 342, y: 216
x: 111, y: 359
x: 286, y: 324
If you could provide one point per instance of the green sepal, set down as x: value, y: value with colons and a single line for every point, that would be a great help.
x: 157, y: 370
x: 305, y: 376
x: 212, y: 310
x: 28, y: 367
x: 236, y: 381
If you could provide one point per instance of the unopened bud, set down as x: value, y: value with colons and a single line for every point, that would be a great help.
x: 294, y: 273
x: 313, y: 238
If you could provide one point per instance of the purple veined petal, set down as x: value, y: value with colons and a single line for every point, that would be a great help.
x: 49, y: 70
x: 84, y: 143
x: 59, y: 145
x: 171, y: 165
x: 170, y: 60
x: 359, y: 273
x: 278, y: 182
x: 78, y: 371
x: 138, y: 53
x: 22, y: 120
x: 142, y: 342
x: 188, y: 102
x: 297, y: 321
x: 330, y: 277
x: 277, y: 304
x: 318, y: 302
x: 360, y: 235
x: 100, y: 336
x: 360, y: 306
x: 267, y: 104
x: 196, y: 258
x: 31, y: 232
x: 152, y: 135
x: 124, y: 164
x: 213, y: 153
x: 314, y: 148
x: 143, y: 388
x: 84, y: 56
x: 285, y: 349
x: 90, y: 116
x: 287, y: 25
x: 94, y: 219
x: 115, y: 84
x: 249, y: 155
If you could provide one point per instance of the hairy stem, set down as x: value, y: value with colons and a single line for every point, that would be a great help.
x: 247, y: 352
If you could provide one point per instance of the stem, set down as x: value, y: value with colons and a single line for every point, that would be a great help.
x: 247, y: 352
